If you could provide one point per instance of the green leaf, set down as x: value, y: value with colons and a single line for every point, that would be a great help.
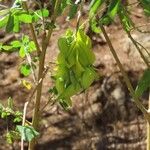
x: 25, y: 69
x: 43, y: 12
x: 10, y: 23
x: 86, y: 56
x: 63, y: 46
x: 7, y: 48
x: 16, y: 24
x: 65, y: 103
x: 25, y: 39
x: 22, y: 52
x: 11, y: 136
x: 39, y: 14
x: 72, y: 56
x: 10, y: 103
x: 63, y: 5
x: 60, y: 85
x: 73, y: 11
x: 113, y: 8
x: 25, y: 18
x: 53, y: 90
x: 3, y: 21
x: 94, y: 6
x: 144, y: 83
x: 111, y: 12
x: 88, y: 77
x: 31, y: 47
x: 27, y: 132
x: 73, y: 60
x: 18, y: 117
x: 15, y: 44
x: 146, y: 6
x: 125, y: 19
x: 78, y: 68
x: 94, y: 25
x: 5, y: 114
x: 71, y: 90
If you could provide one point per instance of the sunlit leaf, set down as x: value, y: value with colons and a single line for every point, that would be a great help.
x: 111, y: 12
x: 3, y: 21
x: 27, y: 84
x: 22, y: 52
x: 94, y: 6
x: 7, y: 48
x: 25, y: 69
x: 31, y: 46
x: 94, y: 25
x: 125, y: 19
x: 16, y: 44
x: 39, y: 14
x: 25, y: 18
x: 16, y: 24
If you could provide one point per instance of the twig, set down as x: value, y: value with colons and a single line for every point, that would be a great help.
x: 134, y: 3
x: 143, y: 48
x: 23, y: 123
x: 41, y: 79
x: 32, y: 31
x: 50, y: 100
x: 32, y: 68
x: 138, y: 48
x: 3, y: 6
x: 126, y: 78
x: 139, y: 26
x: 148, y: 125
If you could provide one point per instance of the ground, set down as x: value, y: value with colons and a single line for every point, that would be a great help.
x: 103, y: 117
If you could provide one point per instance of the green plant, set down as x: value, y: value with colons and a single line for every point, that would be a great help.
x: 74, y: 62
x: 74, y: 71
x: 121, y: 9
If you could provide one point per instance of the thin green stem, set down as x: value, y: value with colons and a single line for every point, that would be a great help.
x: 126, y: 78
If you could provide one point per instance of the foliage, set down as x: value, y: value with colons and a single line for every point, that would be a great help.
x: 27, y: 132
x: 74, y: 71
x: 144, y: 83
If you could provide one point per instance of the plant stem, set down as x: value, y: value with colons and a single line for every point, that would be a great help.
x: 148, y: 126
x: 32, y: 30
x: 23, y: 123
x: 36, y: 113
x: 126, y: 78
x: 139, y: 50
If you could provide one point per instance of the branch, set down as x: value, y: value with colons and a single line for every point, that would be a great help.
x: 138, y: 48
x: 32, y: 30
x: 126, y: 78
